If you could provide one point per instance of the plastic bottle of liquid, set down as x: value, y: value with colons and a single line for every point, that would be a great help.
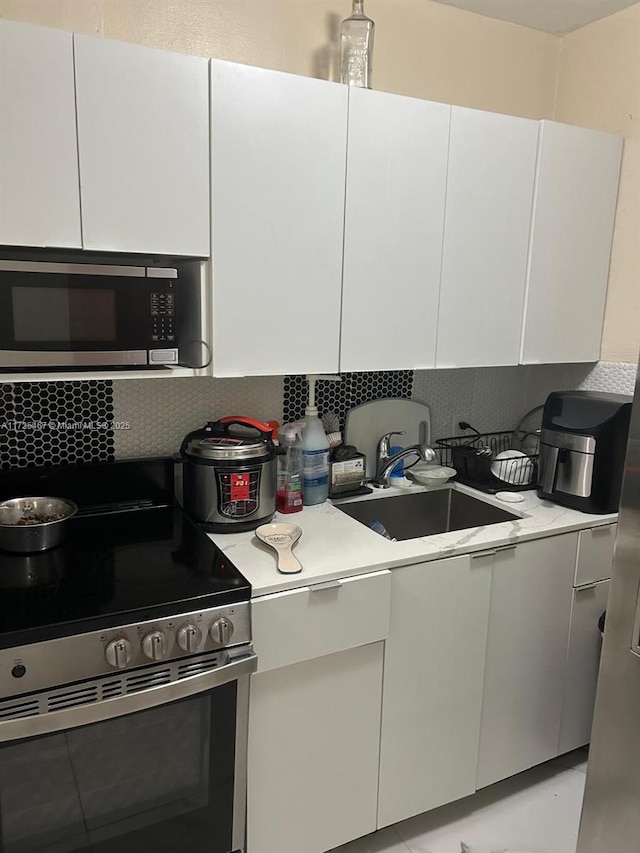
x: 315, y: 453
x: 396, y: 477
x: 289, y: 488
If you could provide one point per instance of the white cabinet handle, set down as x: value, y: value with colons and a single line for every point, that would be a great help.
x: 492, y: 551
x: 585, y: 587
x: 317, y: 587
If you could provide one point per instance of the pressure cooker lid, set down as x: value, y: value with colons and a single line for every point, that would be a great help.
x: 225, y: 447
x: 221, y: 440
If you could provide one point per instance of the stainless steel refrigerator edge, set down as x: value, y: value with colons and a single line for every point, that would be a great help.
x: 611, y: 811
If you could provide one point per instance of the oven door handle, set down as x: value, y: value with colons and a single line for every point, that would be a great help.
x: 119, y: 706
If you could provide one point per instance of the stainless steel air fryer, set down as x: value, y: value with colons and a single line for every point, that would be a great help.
x: 229, y: 477
x: 582, y: 449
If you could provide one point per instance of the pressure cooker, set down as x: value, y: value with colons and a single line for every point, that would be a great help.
x: 229, y: 477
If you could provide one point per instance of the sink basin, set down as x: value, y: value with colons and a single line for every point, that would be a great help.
x: 426, y: 513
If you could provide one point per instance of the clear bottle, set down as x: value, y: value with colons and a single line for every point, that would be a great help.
x: 315, y: 453
x: 289, y: 488
x: 356, y: 48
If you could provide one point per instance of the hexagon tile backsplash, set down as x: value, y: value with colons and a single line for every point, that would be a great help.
x: 160, y: 412
x: 352, y: 390
x: 53, y: 423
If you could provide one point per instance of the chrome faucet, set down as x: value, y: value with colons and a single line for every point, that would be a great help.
x: 386, y: 463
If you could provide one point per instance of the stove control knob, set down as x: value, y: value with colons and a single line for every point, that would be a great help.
x: 118, y: 652
x: 188, y: 638
x: 222, y: 630
x: 154, y: 645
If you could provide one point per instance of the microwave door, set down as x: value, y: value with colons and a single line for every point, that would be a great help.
x: 51, y: 317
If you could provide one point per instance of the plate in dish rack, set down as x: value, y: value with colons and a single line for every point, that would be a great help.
x: 513, y: 466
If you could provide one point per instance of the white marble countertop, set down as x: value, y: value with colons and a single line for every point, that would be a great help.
x: 333, y: 545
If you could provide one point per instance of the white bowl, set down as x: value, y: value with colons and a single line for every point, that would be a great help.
x: 513, y: 466
x: 431, y: 475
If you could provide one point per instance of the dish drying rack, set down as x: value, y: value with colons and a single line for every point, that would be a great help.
x: 473, y: 457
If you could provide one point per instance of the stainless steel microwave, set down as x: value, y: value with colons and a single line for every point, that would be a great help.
x: 87, y: 315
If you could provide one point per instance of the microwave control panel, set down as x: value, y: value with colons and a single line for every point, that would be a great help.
x: 162, y: 307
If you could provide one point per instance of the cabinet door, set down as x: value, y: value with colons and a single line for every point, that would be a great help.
x: 583, y: 663
x: 39, y: 190
x: 433, y: 675
x: 278, y: 152
x: 394, y: 216
x: 492, y: 162
x: 573, y: 216
x: 314, y: 733
x: 531, y: 597
x: 595, y: 554
x: 143, y: 135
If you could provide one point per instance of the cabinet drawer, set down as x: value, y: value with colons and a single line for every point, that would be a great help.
x: 302, y: 624
x: 595, y: 554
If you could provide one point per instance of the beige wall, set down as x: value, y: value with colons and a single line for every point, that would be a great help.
x: 425, y: 49
x: 422, y: 48
x: 599, y: 87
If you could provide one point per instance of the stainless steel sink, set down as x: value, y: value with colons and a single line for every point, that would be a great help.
x: 426, y: 513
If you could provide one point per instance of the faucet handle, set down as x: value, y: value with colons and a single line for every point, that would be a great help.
x: 383, y: 444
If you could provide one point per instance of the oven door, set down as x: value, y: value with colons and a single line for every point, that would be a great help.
x: 56, y: 315
x: 156, y: 771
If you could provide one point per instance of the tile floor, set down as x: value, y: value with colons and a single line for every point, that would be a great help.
x: 534, y: 812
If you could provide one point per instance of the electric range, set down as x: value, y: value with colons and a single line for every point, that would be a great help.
x: 133, y: 636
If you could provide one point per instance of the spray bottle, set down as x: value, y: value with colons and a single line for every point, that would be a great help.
x: 315, y: 450
x: 289, y: 489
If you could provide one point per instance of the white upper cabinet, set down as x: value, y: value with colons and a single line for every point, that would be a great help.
x: 348, y: 229
x: 396, y: 180
x: 278, y: 151
x: 39, y: 191
x: 573, y: 217
x: 143, y: 136
x: 492, y: 161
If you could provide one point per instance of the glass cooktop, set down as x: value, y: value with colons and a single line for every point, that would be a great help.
x: 123, y: 562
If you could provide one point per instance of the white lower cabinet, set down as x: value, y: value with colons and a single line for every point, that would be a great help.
x: 314, y: 730
x: 529, y: 620
x: 314, y: 718
x: 433, y: 675
x: 583, y: 663
x: 385, y: 695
